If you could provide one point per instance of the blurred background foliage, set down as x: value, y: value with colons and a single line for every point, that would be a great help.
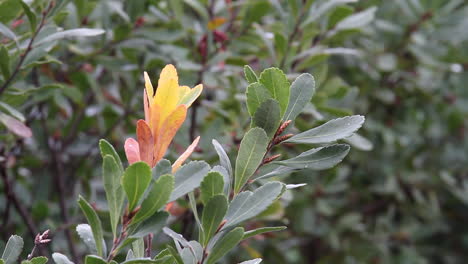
x: 72, y: 74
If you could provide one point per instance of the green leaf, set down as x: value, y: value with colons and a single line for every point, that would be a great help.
x: 94, y: 222
x: 135, y: 181
x: 247, y: 204
x: 61, y: 259
x: 39, y: 260
x: 213, y: 214
x: 13, y: 249
x: 212, y: 184
x: 359, y: 142
x: 156, y: 199
x: 302, y: 90
x: 252, y: 149
x: 223, y: 157
x: 139, y: 261
x: 250, y: 75
x: 262, y: 230
x: 318, y: 9
x: 268, y: 117
x: 107, y: 149
x: 86, y: 234
x: 78, y: 32
x: 31, y: 16
x: 91, y: 259
x: 256, y: 95
x: 163, y: 167
x: 357, y: 20
x: 339, y: 14
x: 5, y: 62
x: 278, y: 85
x: 112, y: 175
x: 154, y: 224
x: 138, y: 247
x: 9, y: 9
x: 318, y: 158
x: 225, y: 244
x: 331, y: 131
x: 12, y: 111
x: 189, y: 177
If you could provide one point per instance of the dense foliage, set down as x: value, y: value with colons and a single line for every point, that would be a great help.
x: 72, y: 74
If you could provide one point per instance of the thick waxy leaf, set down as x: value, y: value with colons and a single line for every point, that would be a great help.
x: 61, y: 259
x: 176, y: 237
x: 225, y: 244
x: 357, y: 20
x: 135, y: 181
x: 213, y: 214
x: 250, y: 75
x: 302, y: 90
x: 212, y: 184
x: 163, y: 167
x: 138, y: 248
x: 86, y: 235
x: 318, y: 158
x: 140, y: 261
x: 252, y: 149
x: 31, y: 16
x: 268, y: 117
x: 5, y: 62
x: 12, y: 249
x: 247, y: 204
x: 107, y: 149
x: 278, y: 85
x: 330, y: 131
x: 256, y: 95
x: 271, y: 170
x: 359, y: 142
x: 322, y: 7
x: 189, y: 177
x: 262, y: 230
x: 79, y: 32
x: 39, y: 260
x: 112, y: 175
x: 156, y: 199
x: 94, y: 222
x: 91, y: 259
x: 226, y: 178
x: 252, y: 261
x: 154, y: 225
x: 223, y: 157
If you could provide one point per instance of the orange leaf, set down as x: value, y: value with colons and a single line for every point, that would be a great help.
x: 146, y: 107
x: 168, y: 130
x: 132, y: 151
x: 216, y: 22
x: 185, y: 155
x: 145, y: 141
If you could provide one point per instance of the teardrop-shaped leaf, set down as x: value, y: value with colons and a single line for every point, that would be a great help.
x: 61, y: 259
x: 268, y: 117
x: 225, y: 244
x: 94, y: 222
x: 330, y: 131
x: 78, y: 32
x: 256, y: 94
x: 212, y: 184
x: 189, y: 177
x: 357, y: 20
x: 278, y: 85
x: 247, y: 204
x: 302, y: 90
x: 107, y: 149
x: 250, y: 75
x: 318, y: 158
x: 156, y: 199
x: 112, y: 175
x: 252, y: 149
x: 86, y: 235
x: 213, y: 214
x: 223, y: 157
x: 13, y: 249
x: 91, y: 259
x: 261, y: 230
x: 135, y: 181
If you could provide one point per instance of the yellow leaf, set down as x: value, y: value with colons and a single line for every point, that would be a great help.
x: 168, y: 130
x: 216, y: 22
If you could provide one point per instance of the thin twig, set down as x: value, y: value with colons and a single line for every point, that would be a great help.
x: 28, y: 49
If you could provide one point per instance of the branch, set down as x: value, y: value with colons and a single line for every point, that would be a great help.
x: 28, y: 49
